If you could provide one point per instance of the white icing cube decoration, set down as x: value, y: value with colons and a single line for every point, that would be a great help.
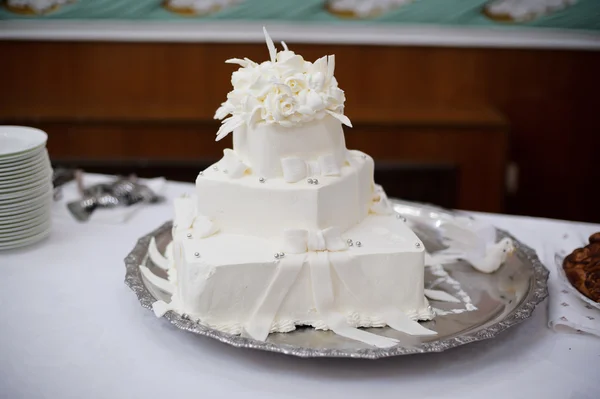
x: 289, y: 229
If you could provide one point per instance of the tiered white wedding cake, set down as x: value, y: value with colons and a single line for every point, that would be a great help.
x: 288, y: 228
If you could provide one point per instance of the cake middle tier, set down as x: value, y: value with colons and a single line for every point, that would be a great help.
x: 261, y: 207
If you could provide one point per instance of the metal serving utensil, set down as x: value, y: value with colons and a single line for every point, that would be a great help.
x: 122, y: 192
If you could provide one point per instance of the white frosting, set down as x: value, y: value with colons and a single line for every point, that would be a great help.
x: 202, y: 6
x: 38, y: 6
x: 247, y: 206
x: 526, y: 9
x: 290, y: 187
x: 263, y: 148
x: 286, y: 91
x: 366, y: 8
x: 223, y: 287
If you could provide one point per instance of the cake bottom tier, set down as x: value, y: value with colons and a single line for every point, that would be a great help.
x: 235, y: 283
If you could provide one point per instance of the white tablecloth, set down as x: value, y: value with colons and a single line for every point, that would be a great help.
x: 70, y: 328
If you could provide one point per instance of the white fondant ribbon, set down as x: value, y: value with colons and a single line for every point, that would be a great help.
x: 261, y: 318
x: 353, y: 279
x: 322, y: 287
x: 232, y: 164
x: 156, y: 281
x: 442, y: 296
x: 296, y: 169
x: 297, y: 241
x: 156, y: 257
x: 324, y: 251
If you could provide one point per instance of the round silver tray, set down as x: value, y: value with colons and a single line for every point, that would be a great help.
x: 503, y: 299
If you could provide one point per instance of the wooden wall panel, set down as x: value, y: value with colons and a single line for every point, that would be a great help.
x: 549, y: 98
x: 479, y: 155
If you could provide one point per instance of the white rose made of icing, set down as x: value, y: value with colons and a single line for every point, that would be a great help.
x: 286, y: 90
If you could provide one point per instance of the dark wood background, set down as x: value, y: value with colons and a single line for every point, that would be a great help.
x: 442, y: 123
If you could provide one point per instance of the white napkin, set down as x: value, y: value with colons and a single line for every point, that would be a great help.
x: 103, y: 216
x: 566, y: 312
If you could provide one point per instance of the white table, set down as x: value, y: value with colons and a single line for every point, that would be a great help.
x: 70, y: 328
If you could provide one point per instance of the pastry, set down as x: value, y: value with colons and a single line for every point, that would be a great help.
x: 582, y: 268
x: 523, y: 10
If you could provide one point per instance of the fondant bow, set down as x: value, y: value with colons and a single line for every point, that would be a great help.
x: 295, y: 169
x: 297, y: 241
x: 232, y: 164
x: 188, y: 221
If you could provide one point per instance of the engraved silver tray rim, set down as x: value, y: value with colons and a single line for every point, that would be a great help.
x: 536, y: 293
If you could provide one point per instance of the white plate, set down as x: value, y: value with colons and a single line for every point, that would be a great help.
x: 16, y: 141
x: 37, y: 157
x: 39, y: 189
x: 8, y: 165
x: 23, y: 227
x: 33, y: 231
x: 41, y: 171
x: 24, y: 157
x: 9, y: 218
x: 24, y: 174
x: 27, y: 241
x: 11, y: 214
x: 24, y: 204
x: 9, y: 185
x: 9, y: 169
x: 14, y: 186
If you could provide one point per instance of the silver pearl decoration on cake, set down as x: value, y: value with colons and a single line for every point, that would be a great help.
x: 277, y: 256
x: 310, y: 181
x: 201, y: 173
x: 315, y: 181
x: 197, y: 254
x: 418, y: 244
x: 281, y: 255
x: 262, y: 180
x: 189, y: 235
x: 358, y: 244
x: 398, y: 216
x: 364, y: 156
x: 349, y: 241
x: 215, y: 167
x: 184, y: 316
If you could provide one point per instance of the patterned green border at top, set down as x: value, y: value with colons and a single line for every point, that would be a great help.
x: 582, y: 16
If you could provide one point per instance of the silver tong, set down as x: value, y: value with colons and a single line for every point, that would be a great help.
x: 123, y: 191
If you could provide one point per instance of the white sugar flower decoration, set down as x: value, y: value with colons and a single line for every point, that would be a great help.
x: 286, y: 90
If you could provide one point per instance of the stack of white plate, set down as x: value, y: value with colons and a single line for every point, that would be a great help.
x: 25, y: 186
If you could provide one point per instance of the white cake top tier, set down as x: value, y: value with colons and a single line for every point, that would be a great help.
x: 286, y: 90
x: 268, y: 149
